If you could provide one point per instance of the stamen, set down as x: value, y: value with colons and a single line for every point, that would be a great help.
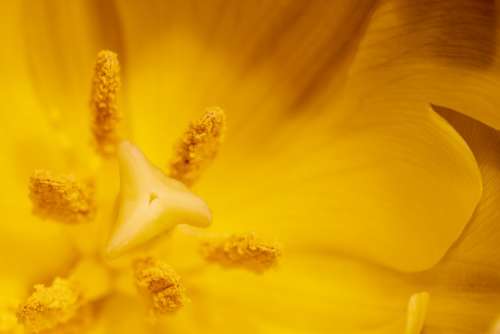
x: 245, y: 250
x: 160, y: 284
x: 198, y: 147
x: 417, y: 312
x: 61, y: 198
x: 106, y: 116
x: 49, y: 307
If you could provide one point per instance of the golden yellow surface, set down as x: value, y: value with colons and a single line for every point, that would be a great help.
x: 361, y: 135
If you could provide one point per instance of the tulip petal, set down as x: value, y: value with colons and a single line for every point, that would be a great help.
x: 257, y: 60
x: 386, y: 173
x: 307, y: 293
x: 441, y: 52
x: 465, y: 298
x: 59, y: 44
x: 478, y: 244
x: 31, y: 250
x: 393, y: 183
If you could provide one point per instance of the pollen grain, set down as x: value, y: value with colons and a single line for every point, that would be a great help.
x: 104, y: 102
x: 61, y: 198
x: 160, y: 284
x: 49, y: 307
x: 241, y: 250
x: 198, y: 147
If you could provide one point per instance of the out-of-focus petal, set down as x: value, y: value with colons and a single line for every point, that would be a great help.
x: 441, y: 52
x: 122, y: 314
x: 306, y: 294
x: 478, y: 244
x: 31, y: 250
x: 464, y: 285
x: 258, y: 60
x: 58, y: 44
x: 393, y: 183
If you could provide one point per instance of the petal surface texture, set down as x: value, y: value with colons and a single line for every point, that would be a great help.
x: 349, y: 172
x: 442, y: 52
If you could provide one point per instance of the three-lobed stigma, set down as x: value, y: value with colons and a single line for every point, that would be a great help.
x: 150, y: 203
x: 61, y: 198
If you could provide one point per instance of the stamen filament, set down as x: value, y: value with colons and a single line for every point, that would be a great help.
x: 160, y: 284
x: 417, y: 312
x: 104, y: 102
x: 245, y: 250
x: 61, y: 198
x: 198, y: 147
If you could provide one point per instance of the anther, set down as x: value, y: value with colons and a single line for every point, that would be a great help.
x: 104, y: 102
x: 244, y: 250
x: 61, y: 198
x: 160, y: 284
x: 417, y: 312
x: 49, y: 307
x: 198, y: 147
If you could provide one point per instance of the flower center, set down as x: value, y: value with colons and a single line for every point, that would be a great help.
x: 150, y: 204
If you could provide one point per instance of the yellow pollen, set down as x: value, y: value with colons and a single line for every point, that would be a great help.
x: 104, y: 102
x: 198, y: 147
x: 61, y: 198
x: 160, y: 284
x: 49, y: 307
x: 245, y: 250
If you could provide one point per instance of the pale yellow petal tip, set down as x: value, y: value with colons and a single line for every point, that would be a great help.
x: 495, y: 328
x: 198, y: 147
x: 417, y: 312
x: 160, y: 284
x: 104, y: 102
x: 150, y: 203
x: 49, y: 307
x: 61, y: 198
x: 244, y: 250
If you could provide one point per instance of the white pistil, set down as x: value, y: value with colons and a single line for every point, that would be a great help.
x: 150, y: 203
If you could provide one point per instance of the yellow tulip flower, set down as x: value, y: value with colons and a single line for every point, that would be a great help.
x: 250, y: 167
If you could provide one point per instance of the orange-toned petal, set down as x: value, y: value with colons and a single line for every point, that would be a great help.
x: 441, y: 52
x: 393, y: 183
x: 256, y: 60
